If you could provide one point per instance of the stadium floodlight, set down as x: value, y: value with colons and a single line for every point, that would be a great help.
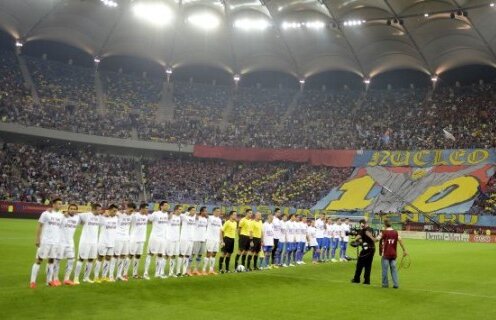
x: 434, y: 78
x: 237, y: 78
x: 251, y: 24
x: 96, y: 60
x: 492, y: 4
x: 109, y: 3
x: 366, y: 81
x: 204, y: 20
x: 426, y: 15
x: 353, y: 23
x: 19, y: 43
x: 168, y: 70
x: 317, y: 25
x: 156, y: 13
x: 291, y: 25
x: 302, y: 81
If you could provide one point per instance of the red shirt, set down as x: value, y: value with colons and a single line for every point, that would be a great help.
x: 389, y: 243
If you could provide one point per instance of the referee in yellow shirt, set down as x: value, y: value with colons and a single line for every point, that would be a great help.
x: 245, y: 237
x: 256, y: 227
x: 228, y: 236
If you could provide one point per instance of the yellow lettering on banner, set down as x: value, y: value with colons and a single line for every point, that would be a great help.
x: 385, y: 158
x: 397, y: 161
x: 477, y: 156
x: 353, y: 196
x: 418, y: 158
x: 444, y: 218
x: 473, y: 219
x: 438, y: 158
x: 374, y: 160
x: 413, y: 217
x: 462, y: 189
x: 455, y: 156
x: 304, y: 212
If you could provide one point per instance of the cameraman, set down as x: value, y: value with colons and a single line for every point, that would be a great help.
x: 366, y: 240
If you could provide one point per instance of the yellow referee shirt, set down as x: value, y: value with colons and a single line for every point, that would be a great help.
x: 257, y: 229
x: 229, y: 229
x: 246, y: 226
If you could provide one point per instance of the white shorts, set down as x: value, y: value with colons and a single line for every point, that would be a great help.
x: 156, y: 245
x: 198, y: 248
x: 213, y: 245
x: 186, y: 247
x: 136, y: 248
x: 87, y: 251
x: 48, y: 251
x: 104, y: 250
x: 66, y: 252
x: 121, y: 247
x: 172, y: 248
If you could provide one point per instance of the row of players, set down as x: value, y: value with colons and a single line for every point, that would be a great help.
x: 116, y: 239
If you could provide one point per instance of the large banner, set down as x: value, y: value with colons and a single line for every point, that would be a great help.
x: 443, y: 189
x: 353, y: 158
x: 425, y: 158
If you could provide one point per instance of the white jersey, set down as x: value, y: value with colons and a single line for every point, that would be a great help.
x: 188, y: 227
x: 312, y: 236
x: 303, y: 232
x: 339, y: 231
x: 69, y: 225
x: 174, y: 228
x: 200, y: 233
x: 108, y: 230
x: 284, y: 231
x: 91, y: 225
x: 346, y: 228
x: 160, y: 222
x: 268, y: 234
x: 291, y: 233
x: 52, y: 227
x: 328, y: 230
x: 138, y: 227
x: 320, y: 228
x: 214, y: 224
x: 276, y: 225
x: 123, y: 225
x: 335, y: 231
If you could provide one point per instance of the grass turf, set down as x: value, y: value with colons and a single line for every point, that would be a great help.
x: 445, y: 280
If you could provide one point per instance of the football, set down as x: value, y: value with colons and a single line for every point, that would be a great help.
x: 241, y: 268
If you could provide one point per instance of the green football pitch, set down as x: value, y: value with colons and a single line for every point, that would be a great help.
x: 445, y: 281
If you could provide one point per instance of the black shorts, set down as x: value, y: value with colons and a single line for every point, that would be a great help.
x: 228, y: 245
x: 257, y: 245
x: 244, y: 243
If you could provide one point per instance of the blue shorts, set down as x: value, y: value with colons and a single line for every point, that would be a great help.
x: 291, y: 246
x: 267, y: 248
x: 301, y: 246
x: 335, y: 243
x: 320, y: 242
x: 280, y: 246
x: 327, y: 243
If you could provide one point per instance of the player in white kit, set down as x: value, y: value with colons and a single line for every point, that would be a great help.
x: 214, y: 239
x: 267, y: 240
x: 200, y: 238
x: 302, y: 240
x: 121, y: 247
x: 88, y: 243
x: 173, y: 236
x: 48, y: 235
x: 276, y: 225
x: 156, y: 242
x: 312, y: 241
x: 138, y: 236
x: 344, y: 240
x: 188, y: 226
x: 66, y: 251
x: 106, y: 243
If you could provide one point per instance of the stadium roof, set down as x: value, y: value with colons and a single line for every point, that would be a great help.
x: 366, y: 37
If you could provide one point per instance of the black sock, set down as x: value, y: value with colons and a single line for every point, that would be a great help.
x: 228, y: 261
x: 221, y: 261
x: 236, y: 260
x: 243, y: 260
x: 255, y: 261
x: 249, y: 261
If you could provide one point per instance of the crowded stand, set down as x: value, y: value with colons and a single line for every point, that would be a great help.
x: 37, y: 173
x: 340, y: 119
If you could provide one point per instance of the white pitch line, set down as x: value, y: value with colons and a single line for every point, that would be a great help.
x: 401, y: 288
